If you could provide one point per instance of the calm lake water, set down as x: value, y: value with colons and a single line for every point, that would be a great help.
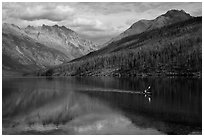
x: 101, y: 105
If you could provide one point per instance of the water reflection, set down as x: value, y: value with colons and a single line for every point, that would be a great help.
x: 149, y: 99
x: 101, y: 105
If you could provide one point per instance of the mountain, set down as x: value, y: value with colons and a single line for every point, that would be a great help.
x: 61, y: 38
x: 20, y: 53
x: 170, y: 17
x: 173, y: 49
x: 33, y: 48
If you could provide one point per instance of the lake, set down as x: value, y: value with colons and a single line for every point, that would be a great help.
x: 101, y: 105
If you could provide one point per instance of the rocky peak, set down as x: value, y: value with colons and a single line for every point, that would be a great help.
x: 56, y: 26
x: 10, y: 26
x: 15, y: 26
x: 45, y: 27
x: 66, y: 29
x: 176, y: 13
x: 30, y: 27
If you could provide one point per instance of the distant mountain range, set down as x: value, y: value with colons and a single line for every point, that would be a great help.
x: 33, y: 48
x: 171, y: 44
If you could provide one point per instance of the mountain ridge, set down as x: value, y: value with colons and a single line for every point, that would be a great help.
x: 61, y: 38
x: 170, y: 17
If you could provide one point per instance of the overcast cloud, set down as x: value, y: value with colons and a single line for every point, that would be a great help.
x: 98, y: 22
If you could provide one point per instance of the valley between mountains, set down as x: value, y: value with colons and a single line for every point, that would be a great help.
x: 170, y: 44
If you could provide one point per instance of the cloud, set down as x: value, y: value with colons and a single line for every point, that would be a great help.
x: 197, y: 12
x: 104, y: 7
x: 94, y: 29
x: 59, y: 13
x: 81, y: 22
x: 87, y: 25
x: 38, y: 12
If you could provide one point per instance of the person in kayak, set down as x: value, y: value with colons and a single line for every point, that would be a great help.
x: 147, y: 91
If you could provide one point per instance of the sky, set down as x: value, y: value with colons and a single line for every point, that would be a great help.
x: 97, y: 21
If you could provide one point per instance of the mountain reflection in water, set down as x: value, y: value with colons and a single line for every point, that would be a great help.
x: 101, y: 105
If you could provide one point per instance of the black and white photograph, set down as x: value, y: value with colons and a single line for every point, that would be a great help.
x: 101, y: 68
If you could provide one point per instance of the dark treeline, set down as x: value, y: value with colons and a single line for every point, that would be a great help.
x: 171, y: 50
